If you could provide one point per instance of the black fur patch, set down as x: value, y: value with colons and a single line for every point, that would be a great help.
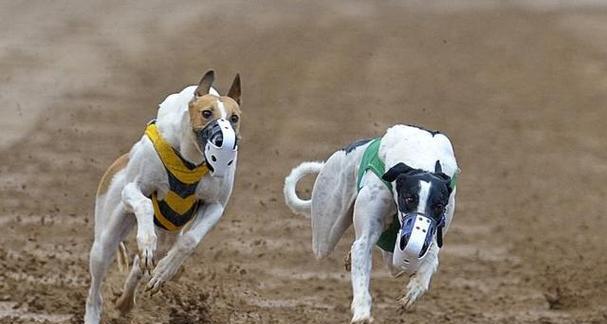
x: 433, y: 132
x: 351, y: 147
x: 408, y: 187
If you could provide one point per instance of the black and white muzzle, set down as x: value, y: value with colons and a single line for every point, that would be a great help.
x: 414, y: 239
x: 220, y: 145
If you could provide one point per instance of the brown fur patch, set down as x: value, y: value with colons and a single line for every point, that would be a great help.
x: 210, y: 102
x: 118, y: 165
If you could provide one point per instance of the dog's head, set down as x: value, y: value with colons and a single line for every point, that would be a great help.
x: 420, y: 192
x: 215, y: 121
x: 206, y: 108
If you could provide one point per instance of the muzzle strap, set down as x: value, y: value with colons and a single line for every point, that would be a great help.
x: 438, y: 227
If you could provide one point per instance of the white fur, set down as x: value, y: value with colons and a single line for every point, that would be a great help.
x: 126, y: 205
x: 417, y: 148
x: 222, y: 109
x: 336, y: 204
x: 424, y: 191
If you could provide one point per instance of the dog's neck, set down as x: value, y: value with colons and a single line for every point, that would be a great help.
x: 188, y: 148
x: 174, y: 125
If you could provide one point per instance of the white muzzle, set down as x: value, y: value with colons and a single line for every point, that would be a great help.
x: 413, y: 241
x: 221, y: 149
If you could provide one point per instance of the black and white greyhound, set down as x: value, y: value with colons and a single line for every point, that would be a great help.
x: 398, y: 189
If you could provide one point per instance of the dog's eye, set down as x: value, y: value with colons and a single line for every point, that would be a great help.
x: 234, y: 119
x: 207, y: 114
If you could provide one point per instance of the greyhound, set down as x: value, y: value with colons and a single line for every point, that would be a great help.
x: 404, y: 211
x: 173, y: 185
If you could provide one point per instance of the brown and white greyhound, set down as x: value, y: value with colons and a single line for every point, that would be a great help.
x: 170, y: 186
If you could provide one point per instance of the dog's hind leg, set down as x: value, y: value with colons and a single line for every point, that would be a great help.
x: 374, y: 202
x: 333, y: 198
x: 122, y: 257
x: 126, y: 301
x: 101, y: 257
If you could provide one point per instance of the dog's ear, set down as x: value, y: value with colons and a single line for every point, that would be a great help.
x: 447, y: 181
x: 234, y: 92
x: 395, y: 171
x: 205, y: 84
x: 438, y: 171
x: 437, y: 167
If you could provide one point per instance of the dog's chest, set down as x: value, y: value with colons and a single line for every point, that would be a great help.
x: 181, y: 202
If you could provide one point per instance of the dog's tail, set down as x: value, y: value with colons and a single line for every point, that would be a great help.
x: 297, y: 205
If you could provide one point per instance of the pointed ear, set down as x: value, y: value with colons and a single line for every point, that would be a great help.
x: 395, y: 171
x: 445, y: 178
x: 234, y: 92
x: 438, y: 171
x: 205, y: 84
x: 437, y: 167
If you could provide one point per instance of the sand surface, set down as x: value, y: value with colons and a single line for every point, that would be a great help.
x: 520, y: 89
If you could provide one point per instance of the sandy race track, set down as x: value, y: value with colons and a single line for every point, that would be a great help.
x: 521, y: 90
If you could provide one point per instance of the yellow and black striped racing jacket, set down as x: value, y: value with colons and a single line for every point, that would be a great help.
x: 180, y: 204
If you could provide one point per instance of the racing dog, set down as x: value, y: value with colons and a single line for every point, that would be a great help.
x: 404, y: 211
x: 173, y: 186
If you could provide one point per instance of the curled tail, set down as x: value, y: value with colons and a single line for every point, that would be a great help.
x: 297, y: 205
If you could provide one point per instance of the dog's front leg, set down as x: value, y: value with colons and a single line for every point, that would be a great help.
x: 420, y: 281
x: 369, y: 210
x: 136, y: 202
x: 204, y: 221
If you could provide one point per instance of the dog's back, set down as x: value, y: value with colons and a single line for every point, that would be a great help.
x: 417, y: 147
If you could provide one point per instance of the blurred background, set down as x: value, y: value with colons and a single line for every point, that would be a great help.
x: 519, y: 86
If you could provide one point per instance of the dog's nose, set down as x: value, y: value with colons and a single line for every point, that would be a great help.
x: 218, y: 140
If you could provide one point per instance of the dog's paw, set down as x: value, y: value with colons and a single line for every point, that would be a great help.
x: 124, y: 304
x: 362, y: 319
x: 146, y: 241
x: 414, y: 291
x: 164, y: 271
x: 361, y: 309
